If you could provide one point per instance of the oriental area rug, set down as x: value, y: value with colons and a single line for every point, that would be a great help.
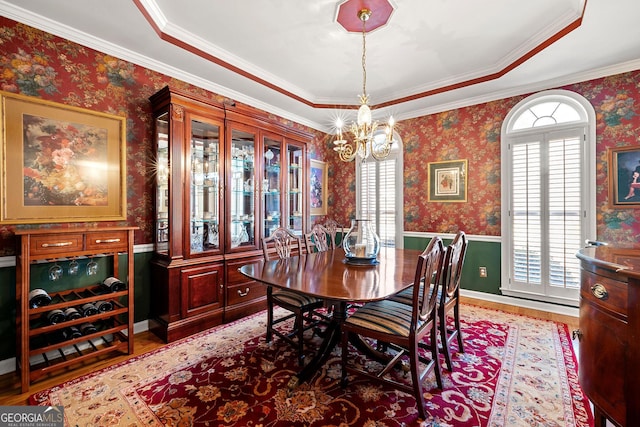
x: 515, y: 371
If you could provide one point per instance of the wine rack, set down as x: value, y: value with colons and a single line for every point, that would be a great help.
x: 43, y: 347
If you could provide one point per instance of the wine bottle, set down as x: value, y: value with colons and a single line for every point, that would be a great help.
x: 103, y: 306
x: 114, y: 284
x: 72, y: 313
x: 87, y: 328
x: 72, y: 332
x: 39, y: 298
x: 89, y: 309
x: 56, y: 316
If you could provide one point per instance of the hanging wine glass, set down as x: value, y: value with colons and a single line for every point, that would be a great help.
x: 55, y: 272
x: 73, y: 267
x: 92, y: 268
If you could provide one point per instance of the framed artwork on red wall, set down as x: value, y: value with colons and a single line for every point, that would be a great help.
x: 447, y: 181
x: 60, y: 163
x: 624, y: 177
x: 318, y: 190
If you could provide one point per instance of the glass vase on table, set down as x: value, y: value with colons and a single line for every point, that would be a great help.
x: 361, y: 244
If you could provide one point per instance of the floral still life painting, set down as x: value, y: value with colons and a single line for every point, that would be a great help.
x: 60, y: 160
x: 60, y: 163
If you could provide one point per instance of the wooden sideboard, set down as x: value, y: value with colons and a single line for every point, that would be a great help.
x: 609, y: 367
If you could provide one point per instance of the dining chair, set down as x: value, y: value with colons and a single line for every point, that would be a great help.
x: 448, y: 296
x: 332, y: 226
x: 403, y: 328
x: 282, y: 244
x: 317, y: 240
x: 449, y: 299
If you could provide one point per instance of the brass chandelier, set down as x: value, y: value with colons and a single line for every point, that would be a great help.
x: 365, y: 141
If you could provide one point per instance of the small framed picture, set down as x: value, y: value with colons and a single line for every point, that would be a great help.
x: 318, y: 187
x: 447, y: 181
x: 624, y: 177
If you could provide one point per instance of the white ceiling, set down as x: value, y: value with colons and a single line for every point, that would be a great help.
x: 297, y: 59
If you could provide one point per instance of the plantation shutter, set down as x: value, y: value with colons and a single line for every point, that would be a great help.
x: 378, y: 197
x: 546, y: 210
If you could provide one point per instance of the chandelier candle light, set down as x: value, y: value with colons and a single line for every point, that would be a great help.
x: 364, y: 130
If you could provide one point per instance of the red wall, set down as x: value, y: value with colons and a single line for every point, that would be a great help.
x: 473, y: 133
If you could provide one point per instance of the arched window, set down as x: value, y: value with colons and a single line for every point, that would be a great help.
x: 548, y: 200
x: 379, y: 192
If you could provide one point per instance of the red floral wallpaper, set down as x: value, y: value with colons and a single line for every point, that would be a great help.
x: 42, y: 65
x: 39, y: 64
x: 473, y: 133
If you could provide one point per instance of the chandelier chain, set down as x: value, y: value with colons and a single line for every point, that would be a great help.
x: 364, y: 58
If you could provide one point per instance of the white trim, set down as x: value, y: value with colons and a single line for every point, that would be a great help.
x: 518, y: 302
x: 588, y: 122
x: 470, y: 237
x: 61, y: 30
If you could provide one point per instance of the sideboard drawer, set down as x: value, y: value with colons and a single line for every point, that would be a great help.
x: 55, y: 244
x: 107, y: 240
x: 607, y: 293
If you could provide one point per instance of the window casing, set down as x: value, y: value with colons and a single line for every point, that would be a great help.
x: 548, y: 149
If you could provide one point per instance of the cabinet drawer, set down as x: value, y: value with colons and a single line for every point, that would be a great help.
x: 234, y: 277
x: 238, y: 294
x: 605, y: 292
x: 107, y: 240
x: 55, y: 244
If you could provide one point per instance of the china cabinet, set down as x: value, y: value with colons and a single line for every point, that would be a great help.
x: 225, y: 176
x: 72, y: 314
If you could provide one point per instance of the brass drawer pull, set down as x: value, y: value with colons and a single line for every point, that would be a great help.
x: 56, y: 245
x: 243, y: 294
x: 107, y: 240
x: 599, y: 291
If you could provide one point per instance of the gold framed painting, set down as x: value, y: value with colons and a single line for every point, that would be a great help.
x: 318, y: 187
x: 60, y: 163
x: 624, y: 177
x: 447, y: 181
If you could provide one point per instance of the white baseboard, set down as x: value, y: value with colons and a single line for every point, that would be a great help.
x: 518, y: 302
x: 9, y: 365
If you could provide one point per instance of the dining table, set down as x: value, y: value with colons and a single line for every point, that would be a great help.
x: 329, y: 276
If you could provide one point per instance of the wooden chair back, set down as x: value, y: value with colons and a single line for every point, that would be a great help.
x: 282, y: 243
x: 452, y: 267
x: 332, y: 228
x: 428, y: 270
x: 317, y: 240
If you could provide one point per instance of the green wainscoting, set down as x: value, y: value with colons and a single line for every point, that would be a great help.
x: 479, y: 254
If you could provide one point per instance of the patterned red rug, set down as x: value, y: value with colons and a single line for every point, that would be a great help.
x: 516, y: 371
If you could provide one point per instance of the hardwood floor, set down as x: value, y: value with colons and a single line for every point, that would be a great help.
x: 10, y: 393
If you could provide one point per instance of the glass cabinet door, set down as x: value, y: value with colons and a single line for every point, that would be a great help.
x: 162, y: 228
x: 271, y: 185
x: 295, y: 185
x: 204, y: 187
x: 242, y: 194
